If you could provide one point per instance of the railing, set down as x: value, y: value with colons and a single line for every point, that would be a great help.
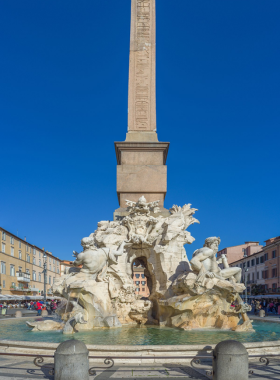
x: 23, y: 277
x: 20, y: 289
x: 110, y: 361
x: 34, y: 289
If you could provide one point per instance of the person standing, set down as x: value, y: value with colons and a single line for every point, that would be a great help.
x: 39, y: 308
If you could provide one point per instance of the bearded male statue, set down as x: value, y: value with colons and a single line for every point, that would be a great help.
x: 205, y: 265
x: 95, y: 261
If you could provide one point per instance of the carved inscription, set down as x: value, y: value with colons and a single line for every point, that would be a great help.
x: 143, y: 65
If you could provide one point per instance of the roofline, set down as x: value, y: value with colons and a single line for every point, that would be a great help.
x: 239, y: 245
x: 32, y: 245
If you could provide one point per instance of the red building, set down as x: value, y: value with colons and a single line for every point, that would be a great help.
x: 140, y: 281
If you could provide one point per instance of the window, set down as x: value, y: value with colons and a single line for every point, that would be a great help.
x: 12, y: 270
x: 34, y: 276
x: 244, y: 265
x: 3, y: 267
x: 40, y: 264
x: 53, y: 280
x: 274, y: 286
x: 34, y: 251
x: 50, y: 260
x: 137, y: 275
x: 265, y: 274
x: 19, y: 255
x: 274, y: 272
x: 143, y: 289
x: 243, y: 250
x: 50, y: 280
x: 11, y: 240
x: 3, y: 247
x: 137, y: 282
x: 4, y: 236
x: 26, y: 248
x: 12, y: 251
x: 273, y: 254
x: 248, y: 264
x: 137, y: 289
x: 143, y: 282
x: 258, y: 276
x: 262, y: 259
x: 50, y: 267
x: 252, y: 262
x: 40, y: 277
x: 27, y: 271
x: 34, y: 260
x: 19, y: 244
x: 27, y: 258
x: 248, y: 277
x: 265, y: 256
x: 58, y: 270
x: 4, y: 284
x: 142, y: 275
x: 257, y: 261
x: 39, y: 254
x: 53, y: 261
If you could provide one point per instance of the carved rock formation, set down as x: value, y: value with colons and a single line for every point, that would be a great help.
x: 182, y: 294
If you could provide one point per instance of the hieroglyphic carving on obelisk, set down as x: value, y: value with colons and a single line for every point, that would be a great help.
x: 142, y: 91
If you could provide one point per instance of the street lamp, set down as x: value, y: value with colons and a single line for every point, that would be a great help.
x: 45, y: 276
x: 246, y: 292
x: 245, y: 277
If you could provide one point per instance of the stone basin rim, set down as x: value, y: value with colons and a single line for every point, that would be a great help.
x: 6, y: 344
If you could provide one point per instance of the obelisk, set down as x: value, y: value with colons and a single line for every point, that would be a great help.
x: 141, y: 157
x: 142, y: 73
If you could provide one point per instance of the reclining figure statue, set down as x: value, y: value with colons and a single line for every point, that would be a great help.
x: 95, y: 261
x: 205, y: 265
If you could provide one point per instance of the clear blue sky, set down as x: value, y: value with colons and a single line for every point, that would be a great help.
x: 63, y: 103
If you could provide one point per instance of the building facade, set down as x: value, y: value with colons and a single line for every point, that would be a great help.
x: 22, y: 264
x: 260, y: 271
x: 140, y: 281
x: 237, y: 252
x: 252, y: 272
x: 271, y: 253
x: 65, y: 265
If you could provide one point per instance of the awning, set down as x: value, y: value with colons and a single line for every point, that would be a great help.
x: 265, y: 296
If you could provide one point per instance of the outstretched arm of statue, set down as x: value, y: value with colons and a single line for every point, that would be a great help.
x: 119, y: 251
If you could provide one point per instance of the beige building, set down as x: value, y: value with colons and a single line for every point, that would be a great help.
x: 65, y: 265
x: 22, y: 266
x: 253, y: 267
x: 237, y: 252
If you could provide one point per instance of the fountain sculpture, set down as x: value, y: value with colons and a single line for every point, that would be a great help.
x: 99, y: 290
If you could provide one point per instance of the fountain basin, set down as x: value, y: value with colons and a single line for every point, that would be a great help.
x: 139, y: 341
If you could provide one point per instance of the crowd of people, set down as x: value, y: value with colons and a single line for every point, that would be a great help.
x: 50, y: 306
x: 268, y: 305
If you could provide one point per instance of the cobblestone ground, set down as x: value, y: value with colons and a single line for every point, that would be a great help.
x: 12, y: 368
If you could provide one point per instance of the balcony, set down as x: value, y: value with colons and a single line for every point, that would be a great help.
x: 20, y: 289
x: 23, y: 277
x: 34, y: 289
